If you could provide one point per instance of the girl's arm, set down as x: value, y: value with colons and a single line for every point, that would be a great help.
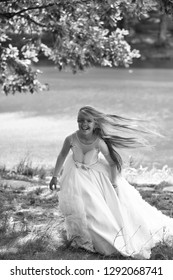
x: 113, y: 169
x: 59, y: 163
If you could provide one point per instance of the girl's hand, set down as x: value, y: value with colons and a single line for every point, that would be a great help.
x: 53, y: 183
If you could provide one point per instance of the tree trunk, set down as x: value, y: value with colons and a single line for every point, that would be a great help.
x: 162, y: 36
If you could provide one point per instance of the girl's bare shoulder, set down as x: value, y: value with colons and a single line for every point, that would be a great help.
x: 69, y: 138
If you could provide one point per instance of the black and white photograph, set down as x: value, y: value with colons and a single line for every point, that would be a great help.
x: 86, y: 129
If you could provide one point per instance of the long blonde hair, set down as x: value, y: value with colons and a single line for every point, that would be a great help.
x: 108, y: 127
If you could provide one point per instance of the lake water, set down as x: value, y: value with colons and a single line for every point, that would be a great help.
x: 35, y: 125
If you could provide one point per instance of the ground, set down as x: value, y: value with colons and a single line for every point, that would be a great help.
x: 31, y: 226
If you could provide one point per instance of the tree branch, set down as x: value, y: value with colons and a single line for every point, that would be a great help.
x: 32, y: 20
x: 12, y: 14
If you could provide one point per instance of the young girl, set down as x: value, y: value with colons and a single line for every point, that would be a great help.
x: 103, y: 212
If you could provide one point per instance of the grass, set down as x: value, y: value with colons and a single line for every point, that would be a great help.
x: 31, y: 226
x: 25, y: 169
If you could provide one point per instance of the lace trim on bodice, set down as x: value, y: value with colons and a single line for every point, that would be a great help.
x: 84, y: 154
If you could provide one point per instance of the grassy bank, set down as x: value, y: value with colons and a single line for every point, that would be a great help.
x: 31, y: 225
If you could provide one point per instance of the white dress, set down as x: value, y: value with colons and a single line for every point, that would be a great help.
x: 98, y: 219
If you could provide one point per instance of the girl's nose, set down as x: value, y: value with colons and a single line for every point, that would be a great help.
x: 85, y: 122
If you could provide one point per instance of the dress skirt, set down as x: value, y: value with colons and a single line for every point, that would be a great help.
x: 102, y: 219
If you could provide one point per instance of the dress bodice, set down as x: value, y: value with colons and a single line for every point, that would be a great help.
x: 84, y: 153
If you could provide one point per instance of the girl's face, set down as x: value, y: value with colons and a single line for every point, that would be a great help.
x: 86, y: 123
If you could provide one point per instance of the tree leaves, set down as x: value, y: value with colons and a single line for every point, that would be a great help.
x: 75, y: 34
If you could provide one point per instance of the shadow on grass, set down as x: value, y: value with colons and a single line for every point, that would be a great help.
x: 39, y: 249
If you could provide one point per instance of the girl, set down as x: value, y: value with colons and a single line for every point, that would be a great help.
x: 103, y: 212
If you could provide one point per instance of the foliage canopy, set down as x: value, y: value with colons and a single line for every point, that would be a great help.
x: 75, y: 34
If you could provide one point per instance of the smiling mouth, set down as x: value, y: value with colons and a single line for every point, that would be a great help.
x: 85, y: 128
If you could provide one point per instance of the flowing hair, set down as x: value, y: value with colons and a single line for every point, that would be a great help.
x: 108, y: 127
